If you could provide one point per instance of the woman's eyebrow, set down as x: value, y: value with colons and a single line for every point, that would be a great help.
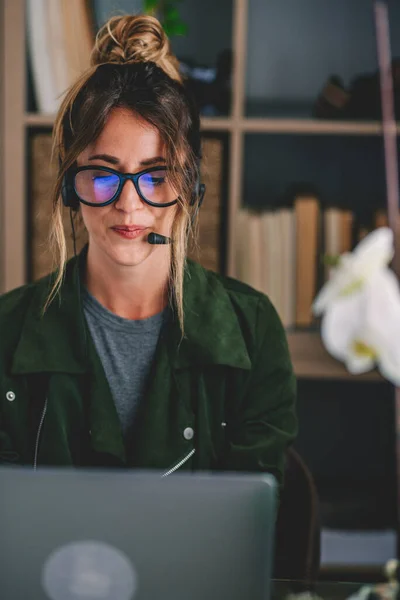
x: 116, y: 161
x: 151, y: 161
x: 106, y: 157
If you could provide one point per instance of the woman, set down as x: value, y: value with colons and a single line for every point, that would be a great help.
x: 129, y: 355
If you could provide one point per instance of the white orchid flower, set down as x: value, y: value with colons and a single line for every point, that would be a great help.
x: 360, y: 308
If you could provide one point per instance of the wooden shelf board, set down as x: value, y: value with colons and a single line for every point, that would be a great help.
x: 311, y: 126
x: 208, y: 123
x: 39, y: 120
x: 260, y: 125
x: 312, y: 361
x: 216, y: 123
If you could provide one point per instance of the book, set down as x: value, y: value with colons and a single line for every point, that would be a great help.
x: 253, y: 245
x: 39, y: 51
x: 240, y: 247
x: 57, y: 44
x: 60, y: 39
x: 307, y: 217
x: 381, y: 218
x: 271, y: 257
x: 338, y: 228
x: 287, y: 235
x: 265, y: 257
x: 346, y: 229
x: 363, y: 231
x: 249, y: 246
x: 78, y: 36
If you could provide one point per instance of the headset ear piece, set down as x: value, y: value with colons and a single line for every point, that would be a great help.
x: 198, y: 194
x: 68, y: 194
x: 64, y: 192
x: 202, y: 191
x: 197, y: 199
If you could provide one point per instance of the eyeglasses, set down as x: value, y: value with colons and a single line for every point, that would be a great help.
x: 99, y: 186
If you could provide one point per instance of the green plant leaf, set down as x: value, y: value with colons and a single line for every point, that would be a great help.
x: 330, y: 260
x: 168, y: 14
x: 171, y: 13
x: 180, y: 29
x: 151, y: 5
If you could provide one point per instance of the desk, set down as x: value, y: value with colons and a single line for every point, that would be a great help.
x: 327, y: 590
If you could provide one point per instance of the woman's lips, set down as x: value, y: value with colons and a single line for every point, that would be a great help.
x: 130, y: 232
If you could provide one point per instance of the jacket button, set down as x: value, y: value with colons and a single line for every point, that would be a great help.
x: 188, y: 433
x: 10, y: 396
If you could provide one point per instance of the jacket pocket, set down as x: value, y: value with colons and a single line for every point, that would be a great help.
x: 179, y: 464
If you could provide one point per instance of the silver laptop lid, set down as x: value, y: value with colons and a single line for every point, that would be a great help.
x: 101, y: 535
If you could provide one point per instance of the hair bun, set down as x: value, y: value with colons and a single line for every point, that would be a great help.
x: 131, y: 39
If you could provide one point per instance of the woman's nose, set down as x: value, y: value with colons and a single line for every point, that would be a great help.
x: 128, y: 199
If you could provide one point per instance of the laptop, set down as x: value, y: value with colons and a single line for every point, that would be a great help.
x: 127, y: 535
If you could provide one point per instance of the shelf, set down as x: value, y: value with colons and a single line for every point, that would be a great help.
x: 311, y: 126
x: 216, y: 123
x: 207, y: 123
x: 261, y: 125
x: 38, y: 120
x: 312, y: 361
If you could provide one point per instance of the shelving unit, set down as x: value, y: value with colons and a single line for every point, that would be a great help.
x: 309, y: 357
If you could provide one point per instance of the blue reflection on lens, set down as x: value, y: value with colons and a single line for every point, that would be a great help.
x: 105, y: 186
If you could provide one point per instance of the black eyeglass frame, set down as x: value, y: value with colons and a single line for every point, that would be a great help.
x: 123, y: 178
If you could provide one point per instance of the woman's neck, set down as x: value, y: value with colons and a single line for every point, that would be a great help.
x: 136, y: 292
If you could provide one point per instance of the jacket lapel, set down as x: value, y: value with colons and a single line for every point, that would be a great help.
x: 176, y: 417
x: 59, y: 342
x: 54, y: 342
x: 212, y: 330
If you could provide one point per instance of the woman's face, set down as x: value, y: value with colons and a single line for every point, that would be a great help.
x: 127, y: 144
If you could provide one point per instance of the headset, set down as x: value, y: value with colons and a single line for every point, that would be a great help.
x: 71, y: 200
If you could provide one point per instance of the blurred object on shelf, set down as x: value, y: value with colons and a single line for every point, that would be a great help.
x: 60, y: 36
x: 338, y: 233
x: 332, y: 101
x: 211, y: 86
x: 381, y: 218
x: 362, y: 99
x: 307, y: 212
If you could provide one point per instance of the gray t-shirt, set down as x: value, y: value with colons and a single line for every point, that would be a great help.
x: 126, y: 349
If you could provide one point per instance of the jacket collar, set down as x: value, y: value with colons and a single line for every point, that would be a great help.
x: 56, y: 341
x: 212, y: 331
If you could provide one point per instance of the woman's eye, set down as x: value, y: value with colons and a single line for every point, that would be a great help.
x: 157, y: 180
x: 102, y: 177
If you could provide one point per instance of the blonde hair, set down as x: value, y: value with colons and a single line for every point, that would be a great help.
x: 132, y: 66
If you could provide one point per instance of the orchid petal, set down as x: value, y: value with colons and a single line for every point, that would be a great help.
x: 356, y: 363
x: 341, y: 324
x: 340, y: 275
x: 382, y: 322
x: 376, y: 249
x: 354, y: 270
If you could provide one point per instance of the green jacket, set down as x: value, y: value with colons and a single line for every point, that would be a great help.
x: 223, y: 398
